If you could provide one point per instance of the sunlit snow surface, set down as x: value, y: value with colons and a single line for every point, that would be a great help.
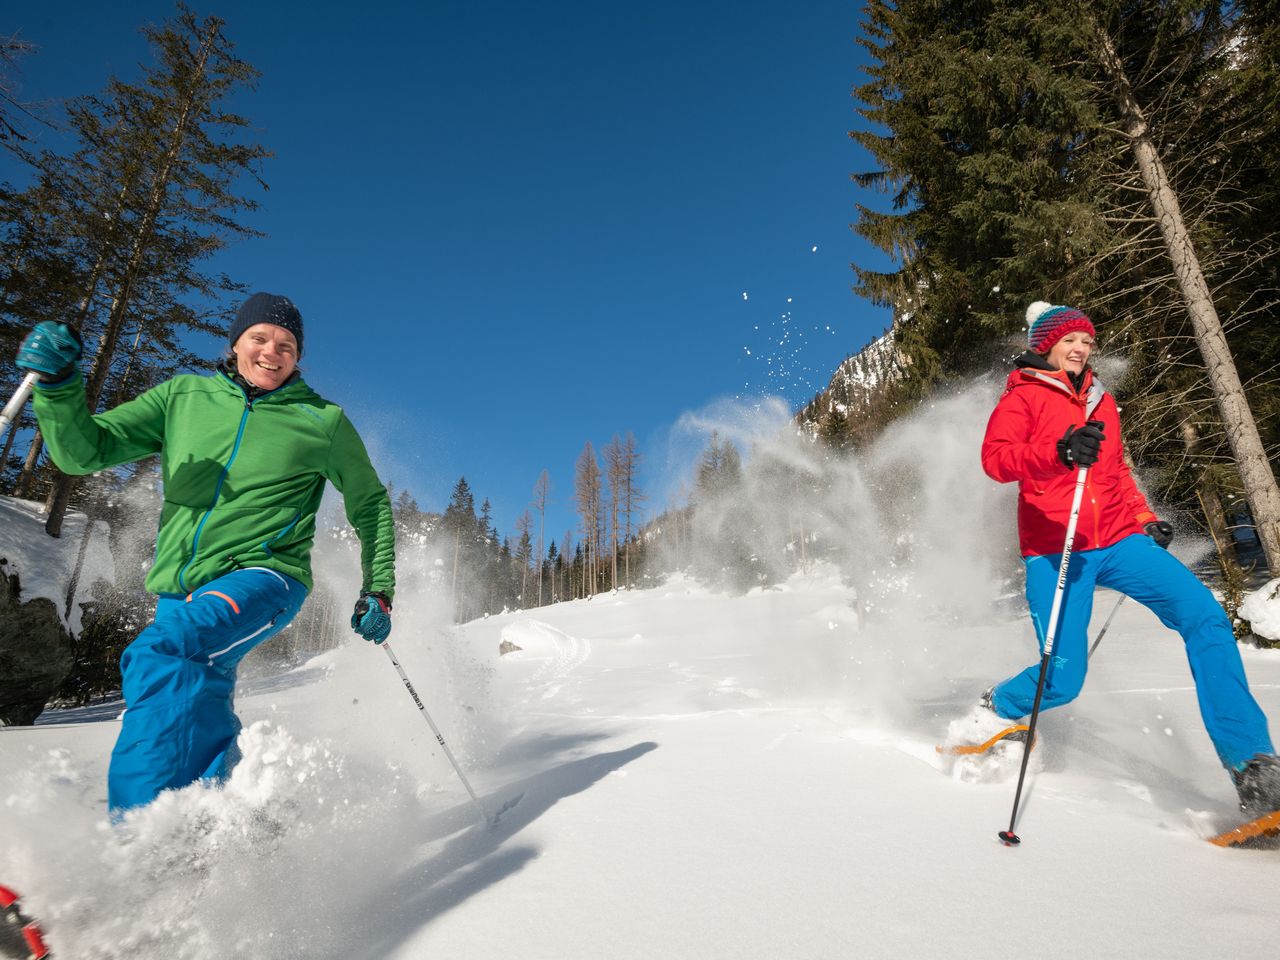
x: 700, y: 776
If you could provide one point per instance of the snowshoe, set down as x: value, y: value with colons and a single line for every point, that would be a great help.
x: 20, y: 937
x: 1258, y: 784
x: 980, y: 730
x: 1260, y: 833
x: 1016, y: 733
x: 982, y: 746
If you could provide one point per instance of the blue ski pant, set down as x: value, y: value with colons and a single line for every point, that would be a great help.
x: 179, y: 678
x: 1140, y: 569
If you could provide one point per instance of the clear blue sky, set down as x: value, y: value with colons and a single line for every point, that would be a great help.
x: 512, y: 228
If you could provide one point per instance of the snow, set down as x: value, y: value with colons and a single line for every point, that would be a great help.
x: 1262, y: 609
x: 22, y: 538
x: 698, y: 776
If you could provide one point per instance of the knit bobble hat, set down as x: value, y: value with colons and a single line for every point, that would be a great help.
x: 1047, y: 324
x: 267, y: 308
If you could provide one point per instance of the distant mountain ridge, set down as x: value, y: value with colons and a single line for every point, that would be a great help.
x: 857, y: 387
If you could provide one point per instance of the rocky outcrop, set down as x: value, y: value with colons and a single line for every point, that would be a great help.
x: 36, y: 652
x: 859, y: 380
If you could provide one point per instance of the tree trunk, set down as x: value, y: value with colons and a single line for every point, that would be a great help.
x: 79, y: 567
x: 63, y: 486
x: 1242, y: 432
x: 1210, y: 502
x: 56, y: 504
x: 22, y: 486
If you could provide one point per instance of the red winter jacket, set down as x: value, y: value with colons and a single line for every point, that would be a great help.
x: 1021, y: 443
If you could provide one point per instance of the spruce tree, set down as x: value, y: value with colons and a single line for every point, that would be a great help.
x: 123, y: 225
x: 1013, y: 178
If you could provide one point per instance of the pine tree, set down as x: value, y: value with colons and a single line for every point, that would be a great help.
x: 523, y: 554
x: 124, y: 223
x: 1011, y: 162
x: 719, y: 470
x: 1256, y: 474
x: 981, y: 115
x: 552, y: 568
x: 615, y: 473
x: 632, y: 496
x: 461, y: 531
x: 541, y: 491
x: 590, y: 511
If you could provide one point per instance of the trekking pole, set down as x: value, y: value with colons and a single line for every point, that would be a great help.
x: 1008, y: 837
x: 436, y: 730
x: 14, y: 406
x: 1103, y: 632
x: 1114, y: 610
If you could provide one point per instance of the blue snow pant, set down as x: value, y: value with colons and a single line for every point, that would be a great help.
x: 1140, y: 569
x: 179, y: 678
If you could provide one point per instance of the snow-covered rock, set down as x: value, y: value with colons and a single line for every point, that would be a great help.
x: 1262, y: 609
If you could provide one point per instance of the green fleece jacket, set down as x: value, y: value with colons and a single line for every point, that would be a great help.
x: 242, y: 479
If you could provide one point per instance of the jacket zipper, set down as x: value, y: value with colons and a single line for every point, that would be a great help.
x: 266, y: 544
x: 217, y: 491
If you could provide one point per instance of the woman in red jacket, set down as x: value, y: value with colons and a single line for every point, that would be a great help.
x: 1054, y: 418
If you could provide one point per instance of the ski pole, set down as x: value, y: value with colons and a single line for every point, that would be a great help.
x: 1008, y: 837
x: 1114, y: 610
x: 436, y: 730
x: 1103, y: 632
x: 14, y: 406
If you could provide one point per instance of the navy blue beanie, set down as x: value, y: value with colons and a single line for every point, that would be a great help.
x: 267, y: 308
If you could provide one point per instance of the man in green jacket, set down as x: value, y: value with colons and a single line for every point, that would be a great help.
x: 244, y: 455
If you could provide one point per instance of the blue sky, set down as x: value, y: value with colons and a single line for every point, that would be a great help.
x: 513, y: 228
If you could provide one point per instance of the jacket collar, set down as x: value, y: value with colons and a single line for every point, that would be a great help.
x: 227, y: 368
x: 1034, y: 368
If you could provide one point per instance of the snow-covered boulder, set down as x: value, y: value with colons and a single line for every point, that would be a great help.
x: 36, y: 652
x: 1262, y: 609
x: 36, y: 626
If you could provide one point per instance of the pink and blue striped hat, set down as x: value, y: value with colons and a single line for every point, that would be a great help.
x: 1047, y: 324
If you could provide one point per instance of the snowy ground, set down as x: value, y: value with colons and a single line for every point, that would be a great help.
x: 699, y: 776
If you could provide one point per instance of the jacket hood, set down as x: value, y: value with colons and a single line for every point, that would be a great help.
x: 1029, y: 359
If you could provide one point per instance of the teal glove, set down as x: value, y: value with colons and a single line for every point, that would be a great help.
x: 372, y: 617
x: 51, y: 350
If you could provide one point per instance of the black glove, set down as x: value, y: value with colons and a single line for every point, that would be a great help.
x: 1161, y: 531
x: 1079, y: 445
x: 372, y: 617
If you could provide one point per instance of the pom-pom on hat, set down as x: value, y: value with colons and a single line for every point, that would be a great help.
x: 267, y: 308
x: 1047, y: 324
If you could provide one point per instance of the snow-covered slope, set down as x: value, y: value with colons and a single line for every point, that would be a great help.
x: 699, y: 776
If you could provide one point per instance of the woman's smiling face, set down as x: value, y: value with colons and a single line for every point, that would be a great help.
x: 1071, y: 353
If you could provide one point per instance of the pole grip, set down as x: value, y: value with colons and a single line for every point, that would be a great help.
x: 16, y: 402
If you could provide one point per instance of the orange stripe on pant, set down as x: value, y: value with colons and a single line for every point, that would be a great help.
x: 215, y: 593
